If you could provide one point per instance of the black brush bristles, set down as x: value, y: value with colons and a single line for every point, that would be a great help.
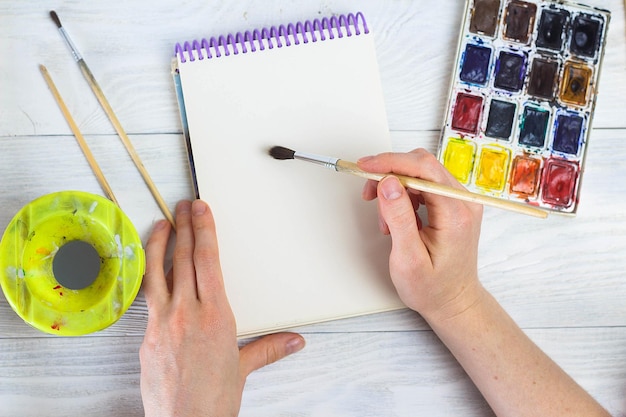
x: 281, y: 153
x: 56, y: 19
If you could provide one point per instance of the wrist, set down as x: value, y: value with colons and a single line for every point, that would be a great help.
x: 467, y: 300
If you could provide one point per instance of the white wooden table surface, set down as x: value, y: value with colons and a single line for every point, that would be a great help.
x: 562, y: 279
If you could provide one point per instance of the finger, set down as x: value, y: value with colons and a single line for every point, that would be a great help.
x: 169, y: 279
x: 369, y: 190
x: 408, y: 251
x: 206, y: 254
x: 382, y: 225
x: 154, y: 282
x: 416, y: 200
x: 421, y: 164
x: 184, y: 279
x: 415, y: 197
x: 267, y: 350
x: 418, y: 163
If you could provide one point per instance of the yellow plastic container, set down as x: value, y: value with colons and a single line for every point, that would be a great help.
x: 33, y: 239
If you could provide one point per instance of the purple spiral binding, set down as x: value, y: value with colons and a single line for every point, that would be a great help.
x: 275, y: 36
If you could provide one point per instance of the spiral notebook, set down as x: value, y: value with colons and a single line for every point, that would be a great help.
x: 298, y: 245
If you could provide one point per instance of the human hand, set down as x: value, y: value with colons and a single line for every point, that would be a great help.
x: 191, y: 364
x: 434, y: 268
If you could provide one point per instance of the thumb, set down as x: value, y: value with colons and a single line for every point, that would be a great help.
x: 267, y: 350
x: 408, y: 250
x: 397, y: 211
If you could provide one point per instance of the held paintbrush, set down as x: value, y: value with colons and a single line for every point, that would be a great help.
x: 339, y: 165
x: 95, y: 87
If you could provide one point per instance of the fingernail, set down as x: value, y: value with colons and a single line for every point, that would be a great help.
x: 160, y: 224
x: 391, y: 188
x: 184, y: 207
x: 295, y: 344
x: 198, y: 208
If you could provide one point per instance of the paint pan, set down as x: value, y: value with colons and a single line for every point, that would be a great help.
x: 586, y: 35
x: 560, y: 179
x: 501, y: 119
x: 71, y: 263
x: 467, y: 110
x: 510, y: 71
x: 552, y: 30
x: 524, y: 180
x: 542, y: 79
x: 492, y: 168
x: 534, y: 127
x: 476, y: 62
x: 484, y: 17
x: 459, y: 158
x: 521, y: 103
x: 576, y: 84
x: 519, y: 19
x: 568, y: 133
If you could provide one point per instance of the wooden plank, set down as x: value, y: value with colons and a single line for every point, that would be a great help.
x: 130, y: 57
x: 556, y: 272
x: 351, y: 374
x: 561, y: 279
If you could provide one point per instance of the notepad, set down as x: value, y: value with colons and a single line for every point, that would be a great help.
x: 298, y: 245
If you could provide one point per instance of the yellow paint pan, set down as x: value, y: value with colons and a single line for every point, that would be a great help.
x: 71, y: 263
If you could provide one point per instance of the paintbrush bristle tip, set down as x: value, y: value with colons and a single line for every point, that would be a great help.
x: 55, y: 18
x: 281, y: 153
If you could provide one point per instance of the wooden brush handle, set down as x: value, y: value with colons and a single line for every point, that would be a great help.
x: 95, y: 87
x: 444, y: 190
x: 79, y: 136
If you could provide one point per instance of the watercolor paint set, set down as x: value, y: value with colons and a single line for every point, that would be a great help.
x: 522, y: 99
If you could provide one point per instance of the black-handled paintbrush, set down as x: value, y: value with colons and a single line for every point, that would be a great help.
x: 95, y: 87
x: 339, y: 165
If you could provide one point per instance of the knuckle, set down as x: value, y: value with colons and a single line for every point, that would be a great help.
x: 182, y: 253
x: 421, y: 152
x: 202, y: 227
x: 428, y: 159
x: 466, y: 219
x: 399, y: 215
x: 272, y: 354
x: 206, y: 259
x: 400, y: 220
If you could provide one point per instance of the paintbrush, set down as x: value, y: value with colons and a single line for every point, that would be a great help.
x: 339, y: 165
x: 79, y: 137
x: 95, y: 87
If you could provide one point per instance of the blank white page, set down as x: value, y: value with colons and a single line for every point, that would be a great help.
x: 298, y: 245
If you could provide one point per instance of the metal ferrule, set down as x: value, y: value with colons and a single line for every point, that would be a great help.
x: 68, y: 40
x: 325, y: 161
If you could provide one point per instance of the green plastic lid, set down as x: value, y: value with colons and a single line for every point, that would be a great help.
x: 71, y: 263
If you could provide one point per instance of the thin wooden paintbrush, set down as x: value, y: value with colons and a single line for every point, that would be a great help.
x: 282, y: 153
x: 79, y: 137
x: 95, y: 87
